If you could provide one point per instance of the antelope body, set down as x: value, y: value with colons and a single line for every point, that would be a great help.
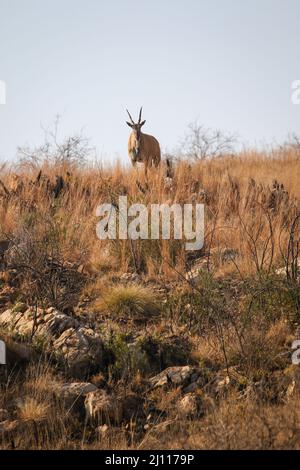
x: 142, y: 147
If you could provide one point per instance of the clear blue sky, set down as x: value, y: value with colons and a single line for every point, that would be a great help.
x: 229, y: 63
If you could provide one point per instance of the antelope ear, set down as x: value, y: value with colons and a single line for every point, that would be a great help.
x: 142, y: 123
x: 128, y: 124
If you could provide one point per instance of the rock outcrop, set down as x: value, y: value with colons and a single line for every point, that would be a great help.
x: 73, y: 394
x: 186, y: 377
x: 76, y: 346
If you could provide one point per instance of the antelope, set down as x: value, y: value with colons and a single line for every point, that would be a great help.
x: 142, y: 148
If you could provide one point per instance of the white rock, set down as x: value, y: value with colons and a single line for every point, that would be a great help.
x: 178, y: 375
x: 80, y: 347
x: 73, y: 393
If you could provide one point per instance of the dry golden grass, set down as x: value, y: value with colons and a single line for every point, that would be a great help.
x: 32, y: 410
x: 239, y: 315
x: 129, y: 301
x: 235, y: 209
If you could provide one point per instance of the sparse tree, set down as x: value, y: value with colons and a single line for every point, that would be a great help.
x: 73, y: 151
x: 201, y: 143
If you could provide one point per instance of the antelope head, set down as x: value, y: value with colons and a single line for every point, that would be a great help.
x: 136, y: 131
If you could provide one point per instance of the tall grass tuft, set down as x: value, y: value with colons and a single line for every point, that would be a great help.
x: 129, y: 301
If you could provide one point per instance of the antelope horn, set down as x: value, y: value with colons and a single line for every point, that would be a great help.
x: 140, y: 116
x: 130, y: 116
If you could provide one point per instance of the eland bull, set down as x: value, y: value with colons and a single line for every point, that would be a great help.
x: 142, y: 148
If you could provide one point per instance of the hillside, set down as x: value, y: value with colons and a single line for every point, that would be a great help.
x: 126, y: 344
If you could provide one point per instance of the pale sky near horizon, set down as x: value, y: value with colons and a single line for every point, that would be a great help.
x: 229, y: 63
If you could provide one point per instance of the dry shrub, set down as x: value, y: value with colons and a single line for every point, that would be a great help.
x: 231, y: 425
x: 32, y: 410
x: 43, y: 421
x: 237, y: 425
